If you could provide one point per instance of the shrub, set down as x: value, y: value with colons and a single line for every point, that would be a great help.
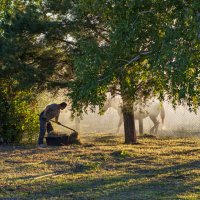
x: 18, y: 116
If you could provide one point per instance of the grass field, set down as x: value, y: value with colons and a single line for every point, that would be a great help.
x: 103, y: 168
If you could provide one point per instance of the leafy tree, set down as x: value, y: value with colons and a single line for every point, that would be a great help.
x: 137, y: 49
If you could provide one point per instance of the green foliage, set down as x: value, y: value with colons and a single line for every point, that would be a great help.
x: 141, y: 49
x: 18, y: 115
x: 24, y: 55
x: 138, y: 49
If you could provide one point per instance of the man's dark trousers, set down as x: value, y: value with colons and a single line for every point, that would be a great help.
x: 44, y: 126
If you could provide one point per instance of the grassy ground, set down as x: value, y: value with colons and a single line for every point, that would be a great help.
x: 103, y: 168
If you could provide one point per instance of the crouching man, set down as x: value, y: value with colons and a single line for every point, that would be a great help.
x: 50, y: 112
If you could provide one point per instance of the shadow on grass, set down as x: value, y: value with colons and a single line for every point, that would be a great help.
x: 108, y: 139
x: 187, y: 152
x: 126, y: 186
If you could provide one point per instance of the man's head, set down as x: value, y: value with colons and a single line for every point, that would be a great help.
x: 63, y: 105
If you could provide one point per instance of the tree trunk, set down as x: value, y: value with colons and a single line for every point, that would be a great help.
x: 129, y: 125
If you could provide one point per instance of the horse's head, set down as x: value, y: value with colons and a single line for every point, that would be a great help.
x: 107, y: 104
x: 112, y: 102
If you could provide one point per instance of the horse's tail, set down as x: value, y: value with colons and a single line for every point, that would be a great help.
x: 162, y: 113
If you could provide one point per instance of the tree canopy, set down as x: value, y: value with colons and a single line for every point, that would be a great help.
x: 140, y: 48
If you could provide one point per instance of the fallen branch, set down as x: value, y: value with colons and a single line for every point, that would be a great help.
x: 54, y: 174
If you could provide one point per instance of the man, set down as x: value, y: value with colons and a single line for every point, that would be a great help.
x: 50, y: 112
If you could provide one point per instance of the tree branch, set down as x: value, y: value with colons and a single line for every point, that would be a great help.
x: 65, y: 41
x: 136, y: 58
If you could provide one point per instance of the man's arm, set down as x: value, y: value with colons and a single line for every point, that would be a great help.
x: 56, y: 117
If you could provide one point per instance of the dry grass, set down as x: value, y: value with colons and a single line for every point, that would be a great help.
x: 103, y: 168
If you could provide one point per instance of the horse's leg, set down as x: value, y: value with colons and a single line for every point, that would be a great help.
x: 77, y: 123
x: 154, y: 129
x: 141, y: 131
x: 119, y: 123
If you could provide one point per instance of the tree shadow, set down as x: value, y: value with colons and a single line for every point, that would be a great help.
x: 163, y: 183
x: 107, y: 139
x: 182, y: 152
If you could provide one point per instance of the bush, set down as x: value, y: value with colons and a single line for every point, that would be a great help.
x: 18, y: 116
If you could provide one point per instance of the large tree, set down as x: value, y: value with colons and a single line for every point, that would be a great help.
x: 137, y: 49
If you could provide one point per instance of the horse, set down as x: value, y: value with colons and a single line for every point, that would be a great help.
x: 151, y: 110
